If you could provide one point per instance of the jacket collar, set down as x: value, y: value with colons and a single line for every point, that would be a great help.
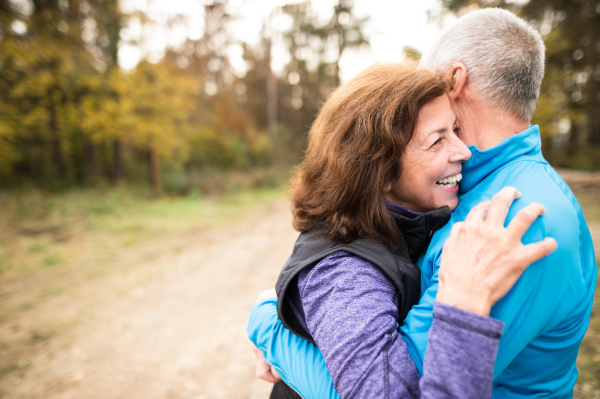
x: 417, y: 228
x: 483, y: 163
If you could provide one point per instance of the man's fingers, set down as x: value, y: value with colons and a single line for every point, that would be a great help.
x: 266, y: 294
x: 536, y: 251
x: 524, y: 219
x: 478, y: 212
x: 500, y: 205
x: 275, y: 373
x: 264, y: 371
x: 269, y: 377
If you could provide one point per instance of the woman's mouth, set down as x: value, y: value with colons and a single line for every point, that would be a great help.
x: 451, y: 181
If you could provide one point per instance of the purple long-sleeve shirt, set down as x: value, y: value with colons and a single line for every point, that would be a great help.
x: 350, y: 309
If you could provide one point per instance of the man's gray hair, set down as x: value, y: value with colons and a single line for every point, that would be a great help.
x: 504, y: 57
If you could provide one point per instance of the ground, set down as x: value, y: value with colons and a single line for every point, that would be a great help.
x: 172, y: 326
x: 171, y: 323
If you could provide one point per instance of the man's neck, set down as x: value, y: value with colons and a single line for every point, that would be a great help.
x: 486, y: 127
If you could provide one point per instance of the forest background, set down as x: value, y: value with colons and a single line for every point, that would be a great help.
x: 187, y: 122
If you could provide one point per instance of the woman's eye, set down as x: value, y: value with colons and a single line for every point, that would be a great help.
x: 438, y: 141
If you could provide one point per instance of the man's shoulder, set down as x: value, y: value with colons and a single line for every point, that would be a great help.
x: 538, y: 182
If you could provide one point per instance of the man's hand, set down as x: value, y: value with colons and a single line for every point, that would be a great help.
x: 265, y: 371
x: 266, y: 294
x: 482, y: 260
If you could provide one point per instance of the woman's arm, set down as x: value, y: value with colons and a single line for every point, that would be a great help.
x: 459, y: 360
x: 301, y: 365
x: 351, y: 312
x: 350, y: 309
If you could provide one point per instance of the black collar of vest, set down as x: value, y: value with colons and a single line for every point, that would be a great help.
x: 416, y: 232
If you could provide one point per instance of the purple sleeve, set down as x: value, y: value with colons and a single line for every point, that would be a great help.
x: 350, y: 310
x: 459, y: 359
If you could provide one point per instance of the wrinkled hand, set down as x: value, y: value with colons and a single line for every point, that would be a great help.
x: 264, y: 371
x: 482, y: 260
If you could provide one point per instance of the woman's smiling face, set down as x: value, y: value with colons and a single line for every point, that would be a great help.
x: 431, y: 165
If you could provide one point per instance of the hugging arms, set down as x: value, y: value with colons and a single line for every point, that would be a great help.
x: 463, y: 342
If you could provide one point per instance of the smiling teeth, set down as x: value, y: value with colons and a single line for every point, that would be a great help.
x: 450, y: 182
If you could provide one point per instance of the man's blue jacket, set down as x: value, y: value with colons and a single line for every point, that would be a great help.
x: 546, y: 313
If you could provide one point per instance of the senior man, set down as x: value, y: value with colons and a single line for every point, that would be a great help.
x: 495, y: 62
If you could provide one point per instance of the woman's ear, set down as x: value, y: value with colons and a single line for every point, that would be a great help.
x: 458, y: 79
x: 387, y: 187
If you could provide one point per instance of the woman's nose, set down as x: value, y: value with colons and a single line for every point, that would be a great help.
x: 460, y: 151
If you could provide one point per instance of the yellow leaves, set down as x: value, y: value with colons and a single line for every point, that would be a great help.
x: 50, y: 91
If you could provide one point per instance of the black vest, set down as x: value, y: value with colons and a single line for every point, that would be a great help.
x: 397, y: 264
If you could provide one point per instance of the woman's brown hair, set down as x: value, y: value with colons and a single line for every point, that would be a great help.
x: 354, y: 148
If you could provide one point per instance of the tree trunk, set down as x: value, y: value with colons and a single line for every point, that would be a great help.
x: 573, y: 143
x: 154, y: 169
x: 93, y: 165
x: 593, y: 86
x: 595, y: 132
x: 117, y: 162
x: 57, y: 153
x: 271, y: 94
x: 593, y: 104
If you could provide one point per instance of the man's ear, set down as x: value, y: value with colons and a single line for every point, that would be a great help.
x: 458, y: 79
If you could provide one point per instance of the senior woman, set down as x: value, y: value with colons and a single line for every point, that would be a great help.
x: 380, y: 175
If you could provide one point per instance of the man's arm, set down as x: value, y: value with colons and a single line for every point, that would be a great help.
x: 298, y: 362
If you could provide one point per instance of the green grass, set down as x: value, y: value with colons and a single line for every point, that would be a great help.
x: 50, y: 241
x: 588, y: 361
x: 41, y: 231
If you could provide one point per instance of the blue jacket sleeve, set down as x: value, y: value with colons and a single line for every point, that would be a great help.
x: 299, y: 362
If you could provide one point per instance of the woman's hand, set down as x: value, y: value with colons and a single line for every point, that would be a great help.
x: 482, y: 260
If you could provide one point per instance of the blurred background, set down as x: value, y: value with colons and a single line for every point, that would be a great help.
x: 144, y: 150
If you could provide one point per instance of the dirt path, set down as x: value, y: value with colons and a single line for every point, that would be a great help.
x: 170, y: 326
x: 180, y: 333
